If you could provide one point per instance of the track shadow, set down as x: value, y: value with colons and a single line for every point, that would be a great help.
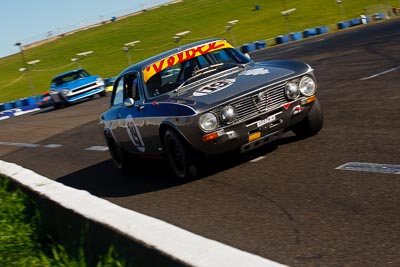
x: 105, y: 180
x: 52, y: 108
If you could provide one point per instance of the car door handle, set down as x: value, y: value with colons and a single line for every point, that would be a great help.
x: 140, y: 107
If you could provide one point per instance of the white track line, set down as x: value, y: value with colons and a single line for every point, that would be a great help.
x: 258, y: 159
x: 18, y: 144
x: 92, y: 148
x: 52, y: 146
x: 97, y: 148
x: 379, y: 74
x: 370, y: 167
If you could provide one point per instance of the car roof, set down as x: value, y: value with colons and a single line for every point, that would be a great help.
x: 139, y: 66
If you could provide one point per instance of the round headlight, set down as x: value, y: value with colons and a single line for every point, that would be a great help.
x: 208, y: 122
x: 307, y: 86
x: 65, y: 91
x: 228, y: 114
x: 292, y: 90
x: 100, y: 81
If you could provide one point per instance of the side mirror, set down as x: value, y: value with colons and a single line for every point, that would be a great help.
x: 129, y: 102
x: 247, y: 55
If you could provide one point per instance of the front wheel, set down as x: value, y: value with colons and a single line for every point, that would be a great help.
x: 312, y: 123
x: 179, y: 155
x: 59, y: 100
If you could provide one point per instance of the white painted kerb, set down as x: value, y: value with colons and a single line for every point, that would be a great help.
x: 183, y: 245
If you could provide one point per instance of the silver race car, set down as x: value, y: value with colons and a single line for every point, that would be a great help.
x: 206, y: 99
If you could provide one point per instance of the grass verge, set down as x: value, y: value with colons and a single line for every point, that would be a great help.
x: 22, y: 241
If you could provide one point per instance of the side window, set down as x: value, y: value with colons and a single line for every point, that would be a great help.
x: 131, y: 86
x: 118, y: 93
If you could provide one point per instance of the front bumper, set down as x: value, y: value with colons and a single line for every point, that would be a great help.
x: 256, y: 131
x: 84, y: 94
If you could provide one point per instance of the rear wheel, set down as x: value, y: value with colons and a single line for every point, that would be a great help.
x: 119, y: 157
x: 179, y: 155
x: 312, y: 123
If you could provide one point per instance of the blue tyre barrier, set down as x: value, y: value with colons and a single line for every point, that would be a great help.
x: 322, y: 30
x: 281, y: 39
x: 25, y: 102
x: 343, y: 25
x: 309, y: 32
x: 260, y: 44
x: 19, y: 103
x: 246, y: 48
x: 354, y: 22
x: 31, y: 100
x: 2, y: 107
x: 9, y: 105
x: 294, y: 36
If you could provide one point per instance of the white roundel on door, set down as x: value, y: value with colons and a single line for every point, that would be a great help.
x: 134, y: 133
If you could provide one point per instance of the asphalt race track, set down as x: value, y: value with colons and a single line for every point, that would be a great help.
x: 286, y: 202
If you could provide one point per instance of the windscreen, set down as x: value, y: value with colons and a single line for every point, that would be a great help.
x: 172, y: 72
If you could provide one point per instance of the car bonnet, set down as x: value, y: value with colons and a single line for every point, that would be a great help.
x: 223, y: 88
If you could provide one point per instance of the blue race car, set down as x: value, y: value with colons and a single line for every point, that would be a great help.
x: 75, y: 85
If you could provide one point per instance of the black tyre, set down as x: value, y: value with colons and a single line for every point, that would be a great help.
x: 119, y: 157
x: 179, y: 155
x: 59, y: 101
x: 312, y: 123
x: 103, y: 93
x: 59, y: 105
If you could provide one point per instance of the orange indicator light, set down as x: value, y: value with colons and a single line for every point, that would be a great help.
x: 311, y: 99
x: 210, y: 136
x: 254, y: 136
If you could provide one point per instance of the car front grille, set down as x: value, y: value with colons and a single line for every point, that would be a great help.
x: 84, y: 88
x: 262, y: 101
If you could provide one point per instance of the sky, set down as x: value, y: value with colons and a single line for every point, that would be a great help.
x: 26, y: 21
